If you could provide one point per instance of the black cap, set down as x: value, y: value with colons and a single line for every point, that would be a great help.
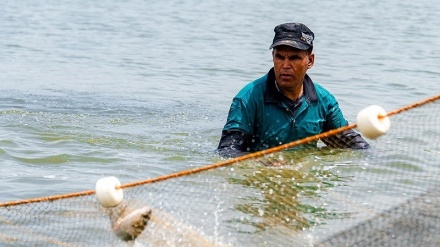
x: 296, y: 35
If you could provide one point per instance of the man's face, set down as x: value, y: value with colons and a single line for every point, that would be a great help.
x: 291, y: 65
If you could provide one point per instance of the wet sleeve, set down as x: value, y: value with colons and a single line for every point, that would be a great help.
x: 240, y: 117
x: 347, y: 139
x: 334, y: 118
x: 233, y: 143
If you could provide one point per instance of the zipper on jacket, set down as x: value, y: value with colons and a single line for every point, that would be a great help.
x: 292, y: 121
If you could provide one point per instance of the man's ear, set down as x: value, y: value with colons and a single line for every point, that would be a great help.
x: 311, y: 60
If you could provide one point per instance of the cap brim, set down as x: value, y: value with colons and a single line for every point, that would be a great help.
x: 291, y: 43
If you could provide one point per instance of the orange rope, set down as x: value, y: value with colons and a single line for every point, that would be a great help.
x: 47, y: 199
x: 414, y: 105
x: 221, y: 163
x: 241, y: 158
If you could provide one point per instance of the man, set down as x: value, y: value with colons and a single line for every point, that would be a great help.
x: 285, y: 104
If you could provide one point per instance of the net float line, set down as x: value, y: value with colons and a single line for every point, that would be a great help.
x: 414, y: 105
x: 221, y: 163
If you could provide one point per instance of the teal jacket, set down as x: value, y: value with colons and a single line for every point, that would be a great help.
x: 259, y: 112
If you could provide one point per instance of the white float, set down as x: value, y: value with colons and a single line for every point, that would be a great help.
x: 108, y: 192
x: 373, y: 122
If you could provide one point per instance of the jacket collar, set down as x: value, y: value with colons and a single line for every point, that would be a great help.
x: 271, y: 94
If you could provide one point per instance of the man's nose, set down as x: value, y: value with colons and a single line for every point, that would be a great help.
x: 286, y: 63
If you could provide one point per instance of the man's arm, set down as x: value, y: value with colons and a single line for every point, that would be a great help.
x: 233, y: 143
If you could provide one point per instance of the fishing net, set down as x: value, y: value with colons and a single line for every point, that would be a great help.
x: 384, y: 196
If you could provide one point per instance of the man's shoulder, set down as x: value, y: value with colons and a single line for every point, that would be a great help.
x: 324, y: 96
x: 321, y: 91
x: 319, y: 88
x: 256, y: 87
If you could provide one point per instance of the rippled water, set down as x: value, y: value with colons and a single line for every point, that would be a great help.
x: 139, y: 89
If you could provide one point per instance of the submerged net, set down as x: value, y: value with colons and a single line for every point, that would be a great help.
x: 385, y: 196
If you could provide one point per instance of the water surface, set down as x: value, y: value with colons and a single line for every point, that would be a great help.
x: 138, y: 89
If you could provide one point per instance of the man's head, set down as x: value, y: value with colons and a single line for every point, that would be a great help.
x: 292, y: 56
x: 296, y: 35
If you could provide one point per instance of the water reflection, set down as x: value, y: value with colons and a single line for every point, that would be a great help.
x: 290, y: 190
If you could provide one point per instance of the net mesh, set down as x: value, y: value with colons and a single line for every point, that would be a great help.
x: 384, y: 196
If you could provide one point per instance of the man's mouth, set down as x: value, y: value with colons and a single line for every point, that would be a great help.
x: 285, y: 76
